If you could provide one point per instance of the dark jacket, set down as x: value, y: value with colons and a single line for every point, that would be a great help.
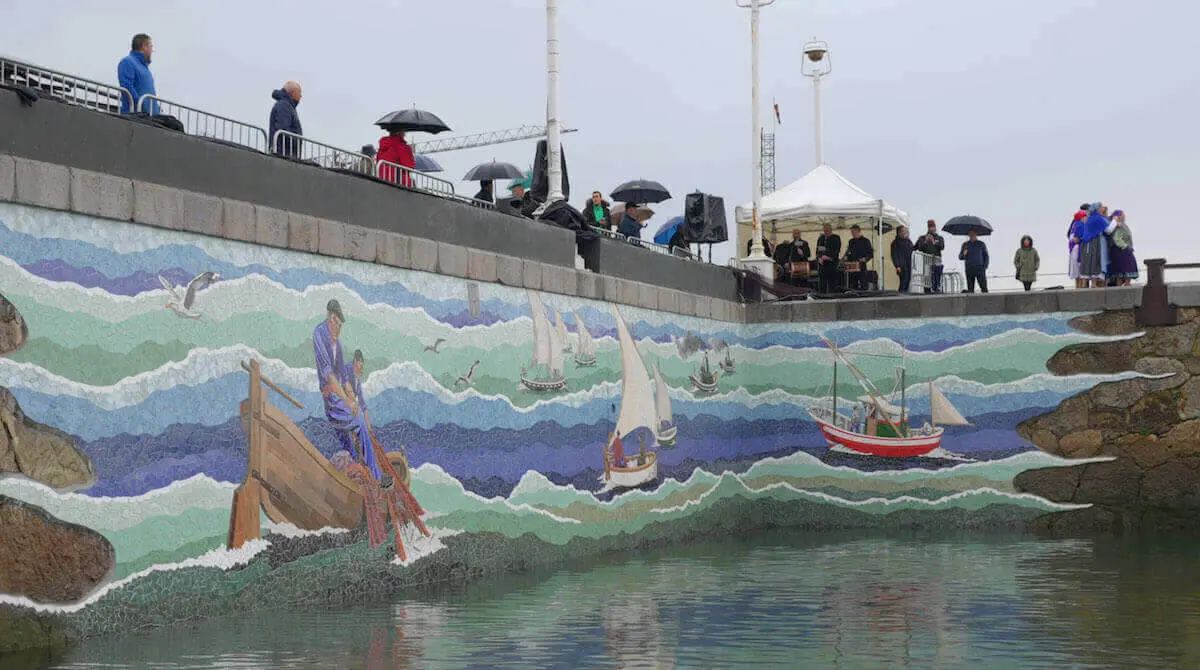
x: 133, y: 75
x: 485, y: 194
x: 788, y: 252
x: 284, y: 117
x: 902, y: 249
x: 629, y: 227
x: 974, y: 255
x: 395, y: 149
x: 859, y: 249
x: 932, y: 244
x: 830, y: 246
x: 589, y: 216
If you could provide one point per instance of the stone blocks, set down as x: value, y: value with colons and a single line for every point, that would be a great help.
x: 239, y: 221
x: 559, y: 279
x: 270, y: 226
x: 331, y: 238
x: 588, y: 285
x: 451, y: 259
x: 392, y: 249
x: 103, y: 195
x: 41, y: 184
x: 8, y: 177
x: 510, y: 270
x: 531, y: 275
x: 360, y: 243
x: 482, y: 265
x: 423, y: 254
x: 156, y: 205
x: 647, y: 296
x: 1182, y: 295
x: 302, y: 233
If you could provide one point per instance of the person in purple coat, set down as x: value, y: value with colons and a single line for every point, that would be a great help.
x: 340, y: 391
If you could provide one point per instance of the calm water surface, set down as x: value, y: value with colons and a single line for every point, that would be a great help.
x: 779, y: 600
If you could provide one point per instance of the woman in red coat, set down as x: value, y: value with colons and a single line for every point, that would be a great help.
x: 394, y: 149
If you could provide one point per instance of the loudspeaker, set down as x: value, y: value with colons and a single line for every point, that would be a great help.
x: 541, y: 180
x: 705, y: 218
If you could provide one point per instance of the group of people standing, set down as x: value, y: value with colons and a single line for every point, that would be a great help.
x: 1100, y: 248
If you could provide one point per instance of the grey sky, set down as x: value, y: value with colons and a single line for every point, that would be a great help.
x: 1017, y: 110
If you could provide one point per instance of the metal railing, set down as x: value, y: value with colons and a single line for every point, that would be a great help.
x: 405, y: 176
x: 298, y: 147
x: 206, y: 124
x: 677, y: 252
x: 68, y: 88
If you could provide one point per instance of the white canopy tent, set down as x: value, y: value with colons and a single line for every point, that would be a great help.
x: 824, y: 196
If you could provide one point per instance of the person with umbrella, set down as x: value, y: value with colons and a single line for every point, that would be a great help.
x: 487, y: 174
x: 485, y: 191
x: 629, y: 225
x: 395, y: 148
x: 974, y: 255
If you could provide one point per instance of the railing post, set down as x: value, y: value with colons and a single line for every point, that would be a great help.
x: 1156, y: 309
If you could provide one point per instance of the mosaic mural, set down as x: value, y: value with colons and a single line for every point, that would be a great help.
x: 238, y: 411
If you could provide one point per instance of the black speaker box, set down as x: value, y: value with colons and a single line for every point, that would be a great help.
x: 705, y: 218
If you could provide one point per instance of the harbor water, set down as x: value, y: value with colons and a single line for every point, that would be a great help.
x: 780, y: 599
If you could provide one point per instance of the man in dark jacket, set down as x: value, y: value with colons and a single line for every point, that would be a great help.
x: 902, y: 249
x: 133, y: 75
x: 859, y: 250
x: 932, y: 244
x: 974, y: 256
x: 630, y: 226
x: 285, y: 118
x: 596, y: 212
x: 829, y: 247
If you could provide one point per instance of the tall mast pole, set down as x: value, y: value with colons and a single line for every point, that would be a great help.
x: 757, y: 260
x: 553, y: 141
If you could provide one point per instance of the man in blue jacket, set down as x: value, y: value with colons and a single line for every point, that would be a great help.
x: 284, y: 117
x: 974, y: 256
x: 133, y: 75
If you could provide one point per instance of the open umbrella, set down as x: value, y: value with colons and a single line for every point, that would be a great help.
x: 640, y: 212
x: 667, y: 230
x: 412, y: 120
x: 493, y: 171
x: 427, y: 164
x: 641, y: 190
x: 961, y: 225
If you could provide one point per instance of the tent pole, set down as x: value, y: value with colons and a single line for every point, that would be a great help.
x: 879, y: 270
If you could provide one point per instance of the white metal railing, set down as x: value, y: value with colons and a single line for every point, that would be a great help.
x: 86, y: 93
x: 206, y: 124
x: 405, y: 176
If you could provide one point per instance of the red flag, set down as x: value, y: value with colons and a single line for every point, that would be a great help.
x: 777, y: 119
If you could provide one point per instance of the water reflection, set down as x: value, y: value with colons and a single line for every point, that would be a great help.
x: 782, y: 600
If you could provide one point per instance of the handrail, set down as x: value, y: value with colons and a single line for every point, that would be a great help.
x: 93, y: 95
x: 206, y: 124
x: 299, y: 147
x: 639, y: 242
x: 406, y: 176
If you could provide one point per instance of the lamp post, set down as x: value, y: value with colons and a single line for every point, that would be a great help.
x: 816, y: 64
x: 757, y: 260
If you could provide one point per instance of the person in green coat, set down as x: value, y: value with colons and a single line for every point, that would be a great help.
x: 1027, y: 262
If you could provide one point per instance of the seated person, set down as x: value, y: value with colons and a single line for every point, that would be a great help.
x: 792, y: 252
x: 629, y: 225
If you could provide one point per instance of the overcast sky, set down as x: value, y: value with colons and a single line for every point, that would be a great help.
x: 1016, y: 110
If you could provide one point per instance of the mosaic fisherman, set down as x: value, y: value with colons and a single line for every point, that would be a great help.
x: 340, y: 389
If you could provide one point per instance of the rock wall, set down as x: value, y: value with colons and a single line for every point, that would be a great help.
x: 1149, y: 426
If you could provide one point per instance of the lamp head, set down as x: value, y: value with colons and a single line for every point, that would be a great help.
x: 815, y: 51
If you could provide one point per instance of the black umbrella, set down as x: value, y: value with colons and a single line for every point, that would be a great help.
x: 412, y: 120
x: 493, y: 171
x: 961, y: 225
x: 641, y: 191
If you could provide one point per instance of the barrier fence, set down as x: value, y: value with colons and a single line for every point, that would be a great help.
x: 206, y: 124
x: 85, y: 93
x: 399, y: 174
x: 677, y: 252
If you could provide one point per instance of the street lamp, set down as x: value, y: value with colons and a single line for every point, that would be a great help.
x: 757, y: 260
x: 816, y: 64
